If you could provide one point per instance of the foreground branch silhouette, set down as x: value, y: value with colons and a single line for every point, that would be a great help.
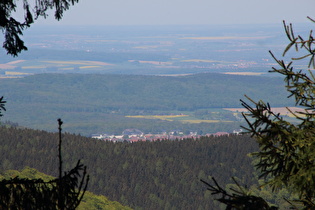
x: 286, y: 156
x: 64, y: 192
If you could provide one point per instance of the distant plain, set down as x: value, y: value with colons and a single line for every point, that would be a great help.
x: 238, y: 51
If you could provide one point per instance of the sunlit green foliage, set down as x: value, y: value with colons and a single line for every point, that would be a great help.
x: 90, y: 200
x: 64, y: 192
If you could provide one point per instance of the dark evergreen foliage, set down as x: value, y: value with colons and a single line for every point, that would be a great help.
x: 2, y: 107
x: 21, y: 193
x: 285, y: 159
x: 65, y: 192
x: 239, y: 198
x: 143, y: 175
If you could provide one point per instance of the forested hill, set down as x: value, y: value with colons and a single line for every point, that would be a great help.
x: 111, y: 92
x: 86, y: 101
x: 143, y: 175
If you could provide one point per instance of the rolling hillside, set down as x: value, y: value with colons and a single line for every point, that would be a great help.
x: 90, y: 201
x: 94, y: 103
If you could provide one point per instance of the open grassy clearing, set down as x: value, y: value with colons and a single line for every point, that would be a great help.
x: 180, y: 118
x: 189, y: 118
x: 29, y: 67
x: 284, y: 111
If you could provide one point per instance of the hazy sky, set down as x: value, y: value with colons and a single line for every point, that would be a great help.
x: 161, y: 12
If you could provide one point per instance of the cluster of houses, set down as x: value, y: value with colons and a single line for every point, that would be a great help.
x: 135, y: 135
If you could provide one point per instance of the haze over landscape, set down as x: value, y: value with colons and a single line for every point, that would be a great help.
x: 149, y: 38
x: 185, y: 12
x: 198, y: 59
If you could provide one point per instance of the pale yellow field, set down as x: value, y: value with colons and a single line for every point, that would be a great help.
x: 160, y: 117
x: 171, y: 118
x: 10, y: 77
x: 88, y: 67
x: 10, y: 65
x: 203, y: 121
x: 146, y: 47
x: 15, y: 62
x: 6, y: 66
x: 223, y: 37
x: 100, y: 63
x: 200, y: 60
x: 153, y: 62
x: 79, y: 62
x: 33, y: 67
x: 105, y: 40
x: 68, y: 68
x: 62, y: 65
x: 16, y: 73
x: 282, y: 110
x: 245, y: 73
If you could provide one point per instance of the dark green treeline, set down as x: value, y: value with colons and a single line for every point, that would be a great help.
x: 143, y: 175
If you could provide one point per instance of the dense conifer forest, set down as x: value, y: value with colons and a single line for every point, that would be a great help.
x: 144, y: 175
